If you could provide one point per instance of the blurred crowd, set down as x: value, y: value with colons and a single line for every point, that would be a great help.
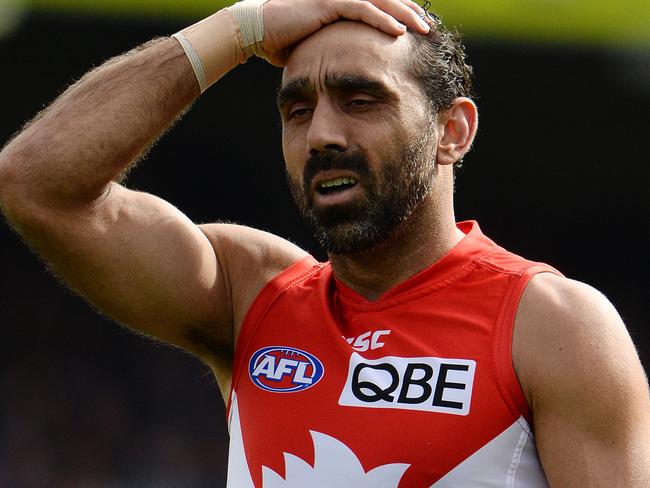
x: 108, y: 413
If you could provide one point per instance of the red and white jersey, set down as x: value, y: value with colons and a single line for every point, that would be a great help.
x: 416, y: 389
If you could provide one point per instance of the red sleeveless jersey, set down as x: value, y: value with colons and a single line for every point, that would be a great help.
x: 416, y: 389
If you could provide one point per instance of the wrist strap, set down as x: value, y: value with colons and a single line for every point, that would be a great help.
x: 195, y: 60
x: 213, y: 47
x: 248, y: 15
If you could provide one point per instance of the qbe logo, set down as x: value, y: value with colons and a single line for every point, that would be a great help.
x: 284, y: 369
x: 426, y: 383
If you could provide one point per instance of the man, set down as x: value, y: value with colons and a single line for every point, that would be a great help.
x: 422, y: 354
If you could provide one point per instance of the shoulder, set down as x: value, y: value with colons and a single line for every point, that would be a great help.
x: 242, y: 241
x: 566, y: 306
x: 565, y: 331
x: 249, y: 260
x: 581, y: 375
x: 556, y: 308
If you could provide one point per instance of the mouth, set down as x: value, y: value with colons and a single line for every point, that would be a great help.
x: 335, y: 185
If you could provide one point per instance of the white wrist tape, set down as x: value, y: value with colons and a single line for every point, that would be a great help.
x: 195, y: 60
x: 248, y: 15
x: 219, y: 42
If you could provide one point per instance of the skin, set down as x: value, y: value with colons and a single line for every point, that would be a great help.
x: 132, y: 255
x: 343, y: 120
x: 575, y: 361
x: 586, y: 387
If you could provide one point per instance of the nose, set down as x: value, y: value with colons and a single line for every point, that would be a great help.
x: 327, y: 130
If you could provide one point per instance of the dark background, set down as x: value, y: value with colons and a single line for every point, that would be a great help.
x: 559, y: 173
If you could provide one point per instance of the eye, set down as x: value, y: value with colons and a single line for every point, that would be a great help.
x: 299, y: 112
x: 359, y: 102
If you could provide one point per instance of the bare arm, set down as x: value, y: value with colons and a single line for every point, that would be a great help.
x: 106, y: 241
x: 133, y: 255
x: 100, y: 125
x: 585, y: 384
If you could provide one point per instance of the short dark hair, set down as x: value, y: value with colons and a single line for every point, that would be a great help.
x: 438, y: 63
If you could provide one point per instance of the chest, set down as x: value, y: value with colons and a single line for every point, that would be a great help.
x: 412, y: 386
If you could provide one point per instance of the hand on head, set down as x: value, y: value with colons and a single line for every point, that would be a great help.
x: 287, y: 22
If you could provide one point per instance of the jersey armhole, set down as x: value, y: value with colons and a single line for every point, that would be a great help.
x: 506, y: 376
x: 294, y: 274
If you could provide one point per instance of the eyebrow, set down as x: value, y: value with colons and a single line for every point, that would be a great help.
x: 302, y: 88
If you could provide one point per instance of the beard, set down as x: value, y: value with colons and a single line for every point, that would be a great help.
x: 391, y: 195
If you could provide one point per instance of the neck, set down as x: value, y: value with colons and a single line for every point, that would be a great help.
x: 427, y: 236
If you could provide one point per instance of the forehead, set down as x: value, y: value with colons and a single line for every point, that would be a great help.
x: 352, y: 48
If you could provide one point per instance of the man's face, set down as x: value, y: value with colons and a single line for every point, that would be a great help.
x: 358, y: 136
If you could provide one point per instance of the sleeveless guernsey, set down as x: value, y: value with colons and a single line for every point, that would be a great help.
x: 416, y: 389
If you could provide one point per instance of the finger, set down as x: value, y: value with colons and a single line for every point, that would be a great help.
x: 416, y: 7
x: 368, y: 13
x: 406, y: 12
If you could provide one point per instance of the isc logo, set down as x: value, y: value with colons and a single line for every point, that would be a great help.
x: 284, y: 369
x: 425, y: 383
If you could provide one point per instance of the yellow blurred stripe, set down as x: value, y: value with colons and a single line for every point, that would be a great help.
x: 155, y: 8
x: 574, y: 21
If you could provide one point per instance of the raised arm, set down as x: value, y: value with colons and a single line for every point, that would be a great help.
x: 134, y: 256
x: 585, y: 385
x: 111, y: 244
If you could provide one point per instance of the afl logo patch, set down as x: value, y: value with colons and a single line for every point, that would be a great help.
x: 284, y: 369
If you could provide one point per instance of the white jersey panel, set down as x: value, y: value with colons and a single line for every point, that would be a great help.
x: 508, y: 461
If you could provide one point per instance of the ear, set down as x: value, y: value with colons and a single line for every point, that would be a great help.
x: 457, y: 127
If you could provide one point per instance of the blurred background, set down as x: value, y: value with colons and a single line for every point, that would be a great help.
x: 559, y: 173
